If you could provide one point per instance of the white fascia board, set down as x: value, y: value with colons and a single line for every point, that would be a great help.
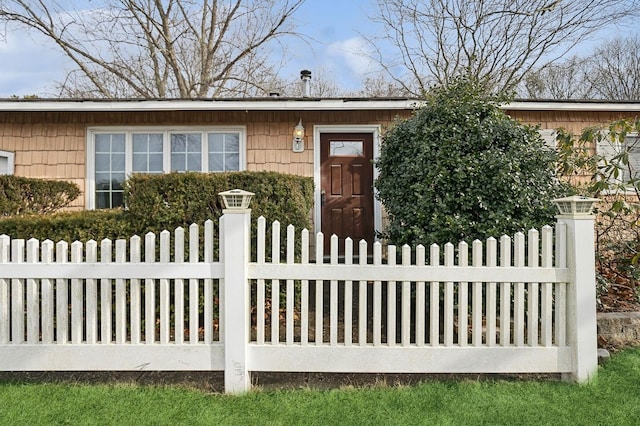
x: 222, y: 105
x: 572, y: 106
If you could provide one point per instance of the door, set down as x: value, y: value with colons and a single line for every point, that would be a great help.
x: 346, y: 175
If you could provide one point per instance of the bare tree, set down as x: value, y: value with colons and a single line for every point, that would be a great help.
x: 161, y: 48
x: 614, y: 70
x: 496, y: 42
x: 561, y: 80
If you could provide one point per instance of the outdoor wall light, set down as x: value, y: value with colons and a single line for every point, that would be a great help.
x: 298, y: 137
x: 236, y: 199
x: 576, y: 205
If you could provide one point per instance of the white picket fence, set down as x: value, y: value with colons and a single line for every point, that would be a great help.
x: 509, y: 306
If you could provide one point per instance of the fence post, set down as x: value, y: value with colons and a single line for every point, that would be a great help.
x: 235, y: 225
x: 576, y: 214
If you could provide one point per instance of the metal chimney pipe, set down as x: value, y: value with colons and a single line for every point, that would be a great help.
x: 305, y: 76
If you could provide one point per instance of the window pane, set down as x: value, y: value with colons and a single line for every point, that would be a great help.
x: 194, y: 162
x: 117, y: 199
x: 103, y: 181
x: 117, y: 162
x: 155, y: 163
x: 232, y: 162
x: 346, y: 148
x: 232, y: 142
x: 216, y: 163
x: 178, y: 143
x: 216, y: 142
x: 103, y: 200
x: 178, y: 163
x: 103, y: 162
x: 117, y: 143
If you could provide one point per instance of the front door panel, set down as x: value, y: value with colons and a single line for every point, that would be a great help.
x: 347, y: 187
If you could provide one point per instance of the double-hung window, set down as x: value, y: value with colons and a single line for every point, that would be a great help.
x: 115, y: 153
x: 613, y: 149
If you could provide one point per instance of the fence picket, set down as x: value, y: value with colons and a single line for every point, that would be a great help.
x: 348, y: 294
x: 208, y: 284
x: 490, y: 315
x: 377, y: 297
x: 290, y: 288
x: 448, y: 298
x: 319, y: 320
x: 505, y: 293
x: 17, y: 295
x: 434, y: 299
x: 194, y: 286
x: 275, y: 284
x: 391, y: 299
x: 546, y: 294
x: 62, y: 296
x: 165, y: 317
x: 76, y: 296
x: 149, y: 291
x: 476, y: 309
x: 5, y: 300
x: 463, y: 298
x: 33, y: 307
x: 420, y: 299
x: 304, y: 296
x: 121, y: 295
x: 518, y: 292
x: 333, y: 295
x: 260, y: 287
x: 178, y: 287
x: 106, y: 292
x: 47, y: 296
x: 91, y: 295
x: 362, y: 297
x: 533, y: 298
x: 560, y: 318
x: 135, y: 306
x: 405, y: 336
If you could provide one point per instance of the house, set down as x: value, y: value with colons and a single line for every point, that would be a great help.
x: 97, y: 143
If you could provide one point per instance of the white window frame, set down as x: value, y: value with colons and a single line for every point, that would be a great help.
x: 166, y: 148
x: 10, y: 157
x: 610, y: 149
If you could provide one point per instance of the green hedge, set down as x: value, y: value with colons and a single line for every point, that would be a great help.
x: 157, y: 202
x: 70, y: 226
x: 20, y: 195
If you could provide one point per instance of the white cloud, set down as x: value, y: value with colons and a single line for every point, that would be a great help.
x: 354, y: 52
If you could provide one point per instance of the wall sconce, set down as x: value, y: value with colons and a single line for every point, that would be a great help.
x: 298, y: 137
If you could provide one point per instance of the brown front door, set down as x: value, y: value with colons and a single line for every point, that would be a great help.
x: 347, y: 187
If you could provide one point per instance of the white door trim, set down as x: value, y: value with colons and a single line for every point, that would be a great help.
x: 344, y: 128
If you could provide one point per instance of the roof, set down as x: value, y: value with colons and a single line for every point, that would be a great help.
x: 287, y: 104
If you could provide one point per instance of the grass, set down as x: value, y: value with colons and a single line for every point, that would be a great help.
x: 613, y: 398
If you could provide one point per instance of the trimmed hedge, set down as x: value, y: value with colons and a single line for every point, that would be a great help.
x: 157, y: 202
x: 70, y: 226
x: 21, y: 195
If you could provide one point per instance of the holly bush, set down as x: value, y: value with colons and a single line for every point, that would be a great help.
x: 461, y: 169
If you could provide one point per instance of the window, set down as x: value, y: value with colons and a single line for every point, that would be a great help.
x: 6, y: 162
x: 631, y: 145
x: 113, y: 154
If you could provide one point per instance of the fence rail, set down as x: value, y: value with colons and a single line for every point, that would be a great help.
x: 507, y: 305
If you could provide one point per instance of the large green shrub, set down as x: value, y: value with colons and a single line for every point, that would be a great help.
x: 21, y: 195
x: 461, y: 169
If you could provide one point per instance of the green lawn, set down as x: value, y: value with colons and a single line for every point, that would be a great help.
x: 612, y: 399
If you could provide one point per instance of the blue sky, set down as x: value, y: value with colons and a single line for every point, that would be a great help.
x: 29, y: 64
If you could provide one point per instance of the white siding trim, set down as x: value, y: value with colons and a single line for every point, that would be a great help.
x: 7, y: 162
